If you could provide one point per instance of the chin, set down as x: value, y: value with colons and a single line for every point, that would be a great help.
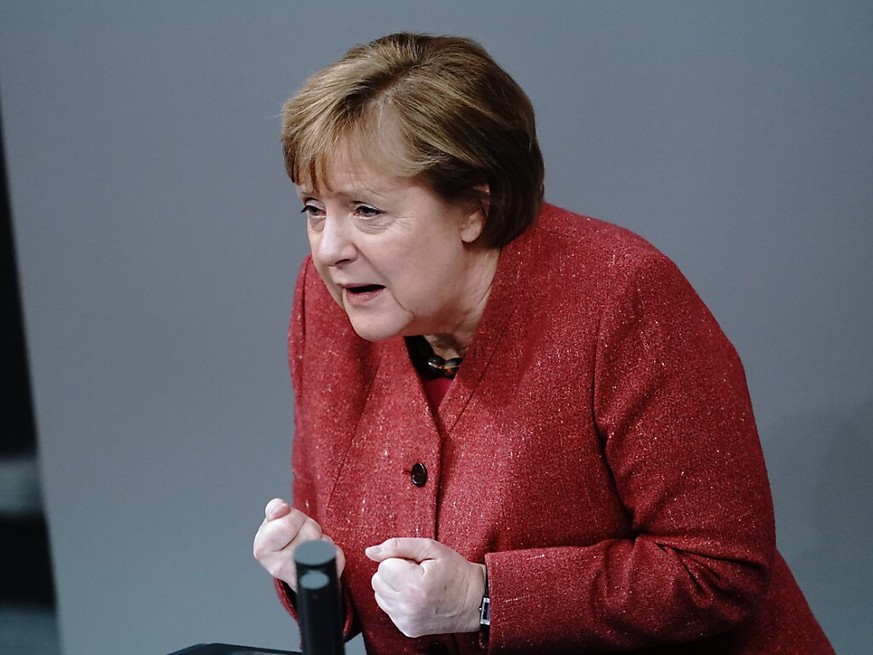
x: 373, y: 331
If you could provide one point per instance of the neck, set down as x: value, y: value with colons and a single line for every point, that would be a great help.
x: 454, y: 341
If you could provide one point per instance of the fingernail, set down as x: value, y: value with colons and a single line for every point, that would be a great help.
x: 372, y: 550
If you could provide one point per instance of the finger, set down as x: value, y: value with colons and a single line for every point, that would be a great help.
x: 398, y: 573
x: 384, y: 605
x: 276, y: 508
x: 382, y: 588
x: 288, y: 531
x: 411, y: 548
x: 272, y: 537
x: 309, y: 530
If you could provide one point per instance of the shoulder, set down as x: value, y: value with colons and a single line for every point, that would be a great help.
x: 587, y: 255
x: 578, y: 234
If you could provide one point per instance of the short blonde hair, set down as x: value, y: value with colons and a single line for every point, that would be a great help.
x: 434, y: 107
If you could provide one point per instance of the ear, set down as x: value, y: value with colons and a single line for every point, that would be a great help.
x: 474, y: 222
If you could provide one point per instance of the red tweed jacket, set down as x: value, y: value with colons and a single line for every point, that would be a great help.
x: 597, y: 450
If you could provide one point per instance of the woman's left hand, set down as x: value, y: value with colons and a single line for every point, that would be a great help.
x: 427, y: 588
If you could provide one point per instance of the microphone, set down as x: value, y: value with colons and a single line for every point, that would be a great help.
x: 318, y: 599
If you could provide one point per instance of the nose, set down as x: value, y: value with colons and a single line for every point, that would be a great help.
x: 333, y: 245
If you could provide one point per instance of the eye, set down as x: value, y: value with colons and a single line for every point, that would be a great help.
x: 312, y: 211
x: 366, y: 211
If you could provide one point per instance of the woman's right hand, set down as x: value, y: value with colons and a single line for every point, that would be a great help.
x: 284, y: 528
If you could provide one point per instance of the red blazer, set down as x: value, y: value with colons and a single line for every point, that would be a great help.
x: 597, y: 450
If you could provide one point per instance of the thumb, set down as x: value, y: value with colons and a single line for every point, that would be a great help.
x: 276, y: 508
x: 411, y: 548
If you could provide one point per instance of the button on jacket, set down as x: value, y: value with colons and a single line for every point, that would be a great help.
x: 597, y: 450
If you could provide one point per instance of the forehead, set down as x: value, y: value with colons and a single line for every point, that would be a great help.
x: 351, y: 182
x: 352, y: 166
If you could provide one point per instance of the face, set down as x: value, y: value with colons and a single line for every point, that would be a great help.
x: 394, y: 255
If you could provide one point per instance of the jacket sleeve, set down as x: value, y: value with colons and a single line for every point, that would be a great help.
x: 675, y: 420
x: 303, y: 491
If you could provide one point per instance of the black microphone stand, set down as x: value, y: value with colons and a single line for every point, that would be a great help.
x: 318, y: 599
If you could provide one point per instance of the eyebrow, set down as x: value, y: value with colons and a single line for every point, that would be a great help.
x: 350, y: 193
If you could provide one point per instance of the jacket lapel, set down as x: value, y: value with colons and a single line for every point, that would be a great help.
x: 492, y: 334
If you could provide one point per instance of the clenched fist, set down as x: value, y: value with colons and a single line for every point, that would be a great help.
x: 426, y: 587
x: 281, y: 532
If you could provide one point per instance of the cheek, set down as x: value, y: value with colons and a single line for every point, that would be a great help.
x: 420, y: 284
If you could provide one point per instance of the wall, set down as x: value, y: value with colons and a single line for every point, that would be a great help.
x: 158, y: 241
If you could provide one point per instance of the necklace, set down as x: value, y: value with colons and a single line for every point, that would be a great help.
x: 428, y: 364
x: 447, y: 368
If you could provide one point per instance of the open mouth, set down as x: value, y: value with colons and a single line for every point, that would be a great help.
x: 367, y: 288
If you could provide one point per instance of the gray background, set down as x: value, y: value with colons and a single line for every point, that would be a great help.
x: 158, y: 241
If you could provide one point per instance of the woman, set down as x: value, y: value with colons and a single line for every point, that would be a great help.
x: 500, y: 404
